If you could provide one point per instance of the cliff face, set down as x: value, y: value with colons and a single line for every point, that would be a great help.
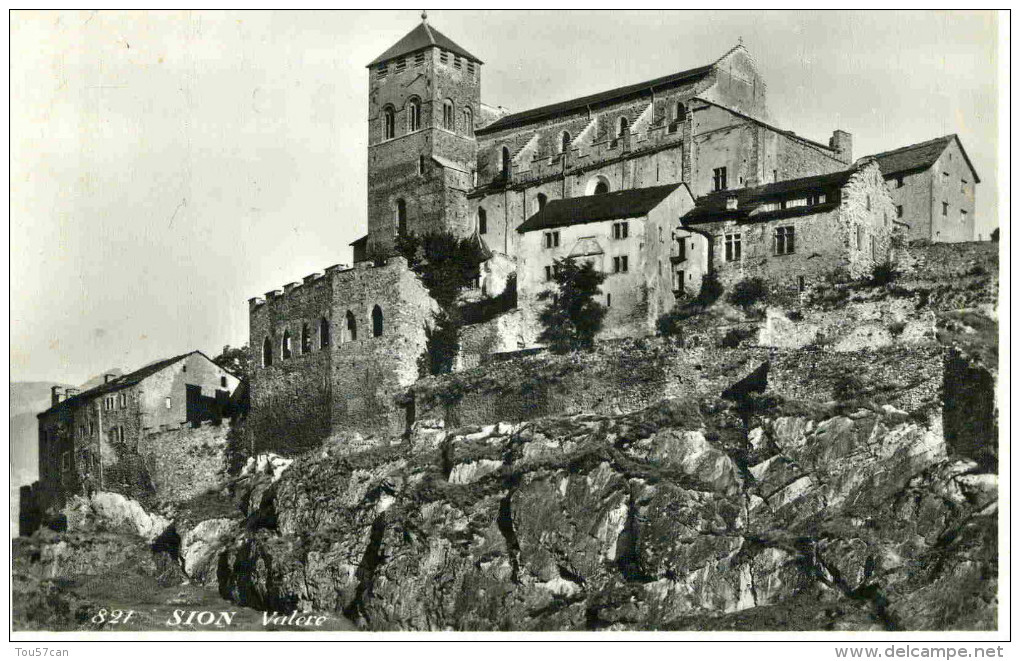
x: 681, y: 515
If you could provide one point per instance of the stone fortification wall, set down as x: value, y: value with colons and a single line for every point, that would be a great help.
x: 628, y: 375
x: 375, y: 316
x: 185, y: 461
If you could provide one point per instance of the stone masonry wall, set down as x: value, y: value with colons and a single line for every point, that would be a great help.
x: 185, y: 461
x: 628, y: 375
x: 348, y: 386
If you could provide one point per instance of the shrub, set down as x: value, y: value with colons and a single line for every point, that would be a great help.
x: 883, y: 274
x: 670, y: 324
x: 749, y: 292
x: 847, y: 387
x: 572, y: 318
x: 995, y: 235
x: 795, y: 315
x: 711, y: 289
x: 897, y: 328
x: 838, y: 275
x: 977, y: 269
x: 735, y: 336
x: 442, y: 343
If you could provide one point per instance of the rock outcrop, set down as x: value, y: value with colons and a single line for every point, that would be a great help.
x: 676, y: 516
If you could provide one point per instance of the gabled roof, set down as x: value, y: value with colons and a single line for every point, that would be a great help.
x: 920, y: 156
x: 421, y: 37
x: 124, y: 381
x: 516, y: 119
x: 630, y: 203
x: 713, y: 206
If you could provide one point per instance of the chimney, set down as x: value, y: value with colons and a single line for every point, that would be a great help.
x: 71, y: 392
x: 731, y: 202
x: 109, y: 377
x: 843, y: 143
x: 56, y: 394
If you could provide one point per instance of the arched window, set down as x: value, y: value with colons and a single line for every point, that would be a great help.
x: 306, y: 339
x: 377, y: 321
x: 323, y: 333
x: 564, y: 142
x: 469, y: 121
x: 483, y: 221
x: 267, y: 352
x: 540, y: 201
x: 352, y: 327
x: 414, y: 114
x: 448, y: 115
x: 597, y: 185
x: 401, y: 217
x: 421, y: 165
x: 389, y: 123
x: 681, y: 112
x: 623, y: 126
x: 286, y: 344
x: 504, y: 162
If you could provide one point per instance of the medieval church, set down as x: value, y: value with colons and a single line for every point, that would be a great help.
x: 656, y: 183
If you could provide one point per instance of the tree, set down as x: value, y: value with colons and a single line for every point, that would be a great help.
x: 573, y: 317
x: 234, y: 360
x: 995, y: 234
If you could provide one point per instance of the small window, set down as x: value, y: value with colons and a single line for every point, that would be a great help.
x: 456, y: 61
x: 389, y: 123
x: 123, y: 400
x: 867, y: 202
x: 483, y: 221
x: 620, y: 264
x: 623, y: 127
x: 719, y: 179
x: 223, y: 382
x: 620, y: 230
x: 548, y: 273
x: 419, y: 59
x: 601, y: 187
x: 352, y: 327
x: 401, y: 217
x: 377, y: 321
x: 945, y: 208
x: 471, y: 67
x: 469, y: 121
x: 679, y: 112
x: 414, y: 115
x: 784, y: 241
x: 267, y: 352
x: 564, y: 142
x: 681, y: 250
x: 448, y: 115
x: 540, y: 201
x: 286, y: 345
x: 899, y: 210
x: 382, y: 71
x: 444, y: 56
x: 552, y: 239
x: 306, y: 339
x: 504, y: 163
x: 184, y: 368
x: 733, y: 252
x: 401, y: 65
x: 609, y: 300
x: 323, y: 333
x: 421, y: 165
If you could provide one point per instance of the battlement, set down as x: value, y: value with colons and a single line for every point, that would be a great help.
x: 321, y: 277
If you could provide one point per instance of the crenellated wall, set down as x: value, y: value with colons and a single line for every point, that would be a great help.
x: 348, y: 385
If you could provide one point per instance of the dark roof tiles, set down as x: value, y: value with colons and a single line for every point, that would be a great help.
x: 515, y: 119
x: 593, y: 208
x: 713, y: 206
x: 421, y: 37
x: 920, y: 156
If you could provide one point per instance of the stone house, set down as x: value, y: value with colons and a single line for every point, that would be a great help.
x: 792, y: 233
x: 933, y: 186
x: 626, y: 235
x: 90, y: 440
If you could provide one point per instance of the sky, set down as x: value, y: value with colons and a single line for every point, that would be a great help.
x: 168, y: 166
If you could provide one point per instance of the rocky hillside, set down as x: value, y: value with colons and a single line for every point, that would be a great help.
x: 839, y: 483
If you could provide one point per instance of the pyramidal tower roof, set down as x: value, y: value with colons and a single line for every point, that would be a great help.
x: 421, y: 37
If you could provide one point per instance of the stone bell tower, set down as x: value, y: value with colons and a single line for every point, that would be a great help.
x: 423, y: 102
